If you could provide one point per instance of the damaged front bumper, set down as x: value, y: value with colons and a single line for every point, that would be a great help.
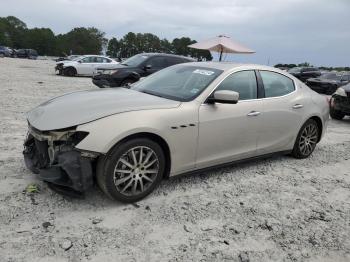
x: 53, y: 156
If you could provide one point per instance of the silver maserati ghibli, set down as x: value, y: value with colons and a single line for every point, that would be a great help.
x: 182, y: 119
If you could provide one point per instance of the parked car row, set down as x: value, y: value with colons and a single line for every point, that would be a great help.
x: 107, y: 72
x: 132, y: 69
x: 321, y: 82
x: 20, y: 53
x: 328, y: 83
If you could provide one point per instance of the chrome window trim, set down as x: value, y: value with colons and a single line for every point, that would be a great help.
x: 296, y: 87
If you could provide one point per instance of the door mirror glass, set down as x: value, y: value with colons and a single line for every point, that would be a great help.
x: 224, y: 96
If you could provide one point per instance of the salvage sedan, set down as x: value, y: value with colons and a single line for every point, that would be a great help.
x: 183, y: 119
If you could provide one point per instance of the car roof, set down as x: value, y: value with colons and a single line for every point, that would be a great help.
x: 93, y: 55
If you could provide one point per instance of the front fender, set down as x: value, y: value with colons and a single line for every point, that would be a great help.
x: 106, y: 132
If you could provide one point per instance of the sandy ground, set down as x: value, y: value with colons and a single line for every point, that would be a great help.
x: 279, y: 209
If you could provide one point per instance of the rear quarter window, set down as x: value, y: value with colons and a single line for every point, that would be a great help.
x: 276, y: 84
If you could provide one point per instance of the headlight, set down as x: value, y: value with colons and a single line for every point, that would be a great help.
x: 111, y: 72
x: 340, y: 92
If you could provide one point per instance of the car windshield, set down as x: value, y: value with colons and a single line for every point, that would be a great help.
x: 179, y: 82
x: 331, y: 76
x: 77, y: 58
x: 135, y: 60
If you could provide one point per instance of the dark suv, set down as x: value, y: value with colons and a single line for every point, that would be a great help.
x: 304, y: 73
x: 132, y: 69
x: 27, y: 53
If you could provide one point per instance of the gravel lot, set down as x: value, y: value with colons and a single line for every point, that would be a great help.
x: 277, y: 209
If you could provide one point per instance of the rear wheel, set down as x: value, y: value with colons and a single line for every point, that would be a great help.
x: 70, y: 71
x: 336, y: 114
x: 306, y: 140
x: 132, y: 170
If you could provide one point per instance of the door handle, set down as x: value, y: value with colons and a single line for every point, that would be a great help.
x: 253, y: 113
x: 297, y: 106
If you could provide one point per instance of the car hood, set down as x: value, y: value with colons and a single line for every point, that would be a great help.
x: 85, y: 106
x: 65, y: 61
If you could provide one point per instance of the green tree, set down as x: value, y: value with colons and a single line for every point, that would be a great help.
x: 80, y: 41
x: 113, y: 48
x: 41, y: 39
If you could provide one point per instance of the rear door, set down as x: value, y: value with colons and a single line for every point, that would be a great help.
x: 284, y: 107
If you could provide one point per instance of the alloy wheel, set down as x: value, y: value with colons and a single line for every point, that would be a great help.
x: 308, y: 139
x: 136, y: 170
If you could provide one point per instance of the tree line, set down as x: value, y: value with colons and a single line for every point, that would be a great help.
x: 306, y: 64
x: 15, y: 33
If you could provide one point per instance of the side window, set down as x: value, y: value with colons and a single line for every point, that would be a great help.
x: 89, y: 59
x: 98, y: 59
x: 276, y: 84
x: 243, y: 82
x: 157, y: 62
x: 106, y: 60
x: 174, y: 60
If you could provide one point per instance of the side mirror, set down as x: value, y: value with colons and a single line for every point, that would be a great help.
x: 224, y: 97
x: 147, y: 67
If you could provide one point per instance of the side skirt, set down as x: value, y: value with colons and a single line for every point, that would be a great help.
x: 211, y: 168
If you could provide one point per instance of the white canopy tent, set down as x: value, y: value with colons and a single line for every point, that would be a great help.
x: 222, y: 44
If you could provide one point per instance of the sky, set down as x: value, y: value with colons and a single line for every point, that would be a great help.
x: 280, y: 31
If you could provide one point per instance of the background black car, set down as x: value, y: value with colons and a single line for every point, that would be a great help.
x: 340, y: 103
x: 27, y: 53
x: 132, y: 69
x: 304, y: 73
x: 328, y: 83
x: 5, y: 51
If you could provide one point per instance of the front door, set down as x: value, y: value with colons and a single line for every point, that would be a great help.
x: 228, y: 132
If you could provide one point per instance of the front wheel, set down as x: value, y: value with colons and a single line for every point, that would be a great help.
x: 132, y: 170
x: 306, y: 140
x: 70, y: 71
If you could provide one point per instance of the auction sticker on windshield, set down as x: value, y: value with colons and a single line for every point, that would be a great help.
x: 203, y: 72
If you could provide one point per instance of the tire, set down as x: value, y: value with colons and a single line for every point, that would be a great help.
x: 125, y: 157
x: 336, y: 114
x: 70, y: 71
x: 127, y: 82
x: 306, y: 140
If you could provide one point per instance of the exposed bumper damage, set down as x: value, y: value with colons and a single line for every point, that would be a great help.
x: 53, y: 156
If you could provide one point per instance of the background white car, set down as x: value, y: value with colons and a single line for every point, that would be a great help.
x: 83, y: 65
